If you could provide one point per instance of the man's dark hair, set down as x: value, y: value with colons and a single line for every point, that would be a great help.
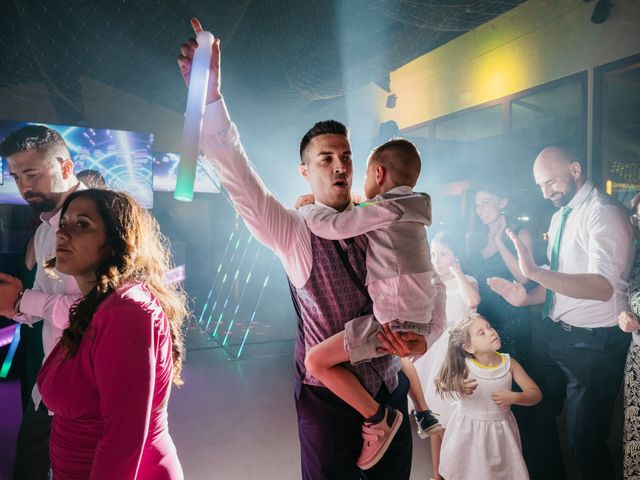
x: 34, y: 137
x: 322, y: 128
x: 401, y: 158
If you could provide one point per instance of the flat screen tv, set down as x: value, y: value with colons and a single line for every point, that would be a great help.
x: 165, y: 173
x: 124, y: 158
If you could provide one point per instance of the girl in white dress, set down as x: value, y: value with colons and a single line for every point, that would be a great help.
x: 462, y: 299
x: 482, y: 441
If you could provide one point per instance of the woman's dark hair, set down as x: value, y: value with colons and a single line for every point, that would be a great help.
x: 477, y: 235
x: 139, y: 253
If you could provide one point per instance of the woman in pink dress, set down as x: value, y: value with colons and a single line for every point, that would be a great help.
x: 108, y: 380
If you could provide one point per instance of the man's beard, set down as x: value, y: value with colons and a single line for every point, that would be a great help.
x: 566, y: 197
x: 46, y: 204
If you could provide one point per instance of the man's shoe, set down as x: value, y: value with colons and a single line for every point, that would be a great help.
x: 377, y: 438
x: 427, y: 423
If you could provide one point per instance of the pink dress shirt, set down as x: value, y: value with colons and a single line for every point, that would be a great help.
x: 399, y: 270
x: 281, y: 229
x: 52, y: 294
x: 110, y: 399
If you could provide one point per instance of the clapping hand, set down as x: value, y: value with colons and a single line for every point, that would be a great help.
x: 513, y: 292
x: 525, y: 260
x: 499, y: 230
x: 455, y: 269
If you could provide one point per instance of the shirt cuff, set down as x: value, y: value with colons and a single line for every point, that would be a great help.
x: 216, y: 118
x: 33, y: 302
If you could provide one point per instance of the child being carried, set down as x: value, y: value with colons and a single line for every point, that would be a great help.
x: 400, y: 280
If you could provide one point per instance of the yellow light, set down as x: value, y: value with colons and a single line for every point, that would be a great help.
x: 496, y: 76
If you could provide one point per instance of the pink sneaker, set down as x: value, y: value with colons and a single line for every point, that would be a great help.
x: 377, y: 438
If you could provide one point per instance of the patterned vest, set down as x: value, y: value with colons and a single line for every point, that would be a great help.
x: 328, y: 300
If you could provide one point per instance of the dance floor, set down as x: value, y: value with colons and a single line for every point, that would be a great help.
x: 230, y: 420
x: 234, y: 418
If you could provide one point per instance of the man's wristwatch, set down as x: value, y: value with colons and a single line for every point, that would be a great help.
x: 16, y: 306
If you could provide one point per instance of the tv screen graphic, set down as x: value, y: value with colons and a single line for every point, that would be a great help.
x: 165, y: 174
x: 124, y: 158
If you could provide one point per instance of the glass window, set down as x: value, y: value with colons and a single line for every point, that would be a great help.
x: 619, y: 135
x: 497, y: 143
x: 554, y: 115
x: 463, y: 147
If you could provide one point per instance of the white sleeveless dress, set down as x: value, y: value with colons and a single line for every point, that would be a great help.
x: 482, y: 441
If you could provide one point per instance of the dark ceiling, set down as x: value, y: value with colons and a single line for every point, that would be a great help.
x: 278, y: 55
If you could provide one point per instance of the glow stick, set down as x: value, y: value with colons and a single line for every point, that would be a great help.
x: 6, y: 365
x: 193, y: 118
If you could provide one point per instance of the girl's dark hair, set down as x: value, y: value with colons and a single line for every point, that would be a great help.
x: 139, y: 253
x: 450, y: 378
x: 456, y: 245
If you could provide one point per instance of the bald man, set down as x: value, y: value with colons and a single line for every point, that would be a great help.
x: 578, y: 353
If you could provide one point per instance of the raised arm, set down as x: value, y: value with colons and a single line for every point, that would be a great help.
x: 607, y: 258
x: 332, y: 225
x: 468, y: 286
x: 269, y: 221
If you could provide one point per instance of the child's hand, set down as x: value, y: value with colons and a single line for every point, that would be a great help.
x: 455, y: 269
x: 502, y: 398
x: 304, y: 200
x: 358, y: 197
x: 469, y: 386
